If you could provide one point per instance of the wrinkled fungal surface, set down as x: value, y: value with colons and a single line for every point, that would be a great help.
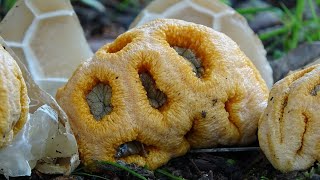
x: 175, y: 85
x: 99, y: 101
x: 13, y: 97
x: 289, y: 129
x: 191, y: 57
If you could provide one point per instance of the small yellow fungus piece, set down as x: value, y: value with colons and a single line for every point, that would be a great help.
x: 13, y: 98
x: 289, y: 128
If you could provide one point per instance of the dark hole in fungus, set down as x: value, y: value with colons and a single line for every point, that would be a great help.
x: 315, y: 90
x: 99, y: 101
x: 130, y: 148
x: 191, y: 57
x: 156, y: 97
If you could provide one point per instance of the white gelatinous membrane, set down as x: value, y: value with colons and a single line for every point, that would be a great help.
x: 46, y: 141
x: 220, y: 17
x: 41, y: 141
x: 48, y: 38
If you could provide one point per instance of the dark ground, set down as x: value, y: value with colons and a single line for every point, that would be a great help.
x: 251, y: 165
x: 107, y: 25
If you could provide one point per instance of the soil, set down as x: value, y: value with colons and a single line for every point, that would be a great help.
x: 250, y: 165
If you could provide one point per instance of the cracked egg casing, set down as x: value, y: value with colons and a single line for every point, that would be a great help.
x: 47, y: 37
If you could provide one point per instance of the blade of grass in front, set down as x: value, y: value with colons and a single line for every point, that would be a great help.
x: 124, y: 168
x: 89, y: 175
x: 163, y: 172
x: 254, y: 10
x: 275, y: 32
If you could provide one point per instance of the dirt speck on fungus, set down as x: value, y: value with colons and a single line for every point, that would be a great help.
x: 203, y: 114
x: 315, y: 90
x: 214, y: 102
x: 99, y: 101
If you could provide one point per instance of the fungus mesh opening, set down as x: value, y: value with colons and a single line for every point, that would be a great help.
x: 191, y: 57
x: 131, y: 148
x: 156, y: 97
x: 119, y: 44
x: 99, y: 101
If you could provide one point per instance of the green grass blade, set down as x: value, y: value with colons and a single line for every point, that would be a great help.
x: 169, y: 175
x: 78, y: 169
x: 296, y: 28
x: 125, y: 4
x: 94, y: 4
x: 300, y: 9
x: 254, y: 10
x: 296, y: 20
x: 275, y: 32
x: 8, y: 4
x: 122, y: 167
x: 227, y: 2
x: 313, y: 11
x: 89, y: 175
x: 287, y: 11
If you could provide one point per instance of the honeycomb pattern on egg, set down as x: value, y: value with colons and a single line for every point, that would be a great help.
x: 47, y: 37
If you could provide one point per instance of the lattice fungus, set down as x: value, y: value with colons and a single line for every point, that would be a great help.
x: 213, y: 14
x: 48, y: 38
x: 158, y: 90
